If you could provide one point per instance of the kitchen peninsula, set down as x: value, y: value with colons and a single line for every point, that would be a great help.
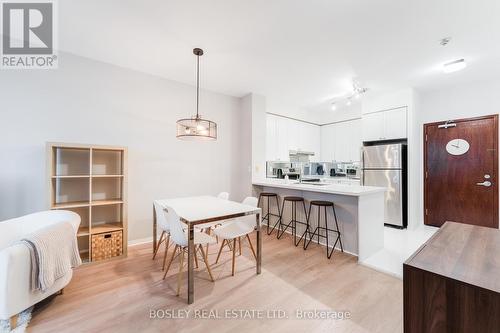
x: 359, y: 210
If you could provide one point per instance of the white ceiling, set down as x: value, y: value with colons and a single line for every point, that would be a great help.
x: 299, y: 54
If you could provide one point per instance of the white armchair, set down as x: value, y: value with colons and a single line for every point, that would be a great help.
x: 15, y: 262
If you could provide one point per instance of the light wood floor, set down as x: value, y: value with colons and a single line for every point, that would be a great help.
x: 117, y: 296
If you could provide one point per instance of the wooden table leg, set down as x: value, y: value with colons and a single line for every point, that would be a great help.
x: 259, y: 244
x: 154, y: 228
x: 190, y: 263
x: 13, y: 321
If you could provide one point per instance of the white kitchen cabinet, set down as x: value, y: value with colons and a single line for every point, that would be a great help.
x: 284, y: 134
x: 327, y: 143
x: 271, y: 138
x: 294, y: 129
x: 385, y: 125
x: 395, y: 124
x: 341, y: 141
x: 342, y: 145
x: 355, y: 140
x: 315, y: 141
x: 373, y: 126
x: 309, y: 139
x: 282, y: 139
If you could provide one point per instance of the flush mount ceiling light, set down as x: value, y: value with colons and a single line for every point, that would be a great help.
x: 454, y: 66
x: 196, y: 128
x: 333, y: 106
x: 445, y: 41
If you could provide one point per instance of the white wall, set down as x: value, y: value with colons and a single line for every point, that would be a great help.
x: 256, y: 104
x: 85, y: 101
x: 462, y: 101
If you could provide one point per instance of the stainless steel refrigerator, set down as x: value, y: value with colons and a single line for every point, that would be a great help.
x: 385, y: 165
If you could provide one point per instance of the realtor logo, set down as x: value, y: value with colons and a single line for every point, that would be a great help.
x: 28, y: 35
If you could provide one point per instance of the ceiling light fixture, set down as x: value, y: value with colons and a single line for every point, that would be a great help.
x: 196, y: 128
x: 445, y: 41
x: 454, y: 66
x: 357, y: 91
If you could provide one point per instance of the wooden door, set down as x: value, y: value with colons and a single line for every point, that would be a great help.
x: 460, y: 184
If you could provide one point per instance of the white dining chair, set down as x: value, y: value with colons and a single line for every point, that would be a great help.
x: 233, y: 231
x: 164, y: 226
x: 208, y: 227
x: 178, y: 236
x: 223, y: 195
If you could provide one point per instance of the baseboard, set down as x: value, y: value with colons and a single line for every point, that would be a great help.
x: 150, y: 239
x: 383, y: 270
x: 320, y: 242
x: 140, y: 241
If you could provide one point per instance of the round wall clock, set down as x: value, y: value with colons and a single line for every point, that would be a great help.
x: 457, y: 147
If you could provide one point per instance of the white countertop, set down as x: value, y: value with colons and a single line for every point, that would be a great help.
x: 352, y: 190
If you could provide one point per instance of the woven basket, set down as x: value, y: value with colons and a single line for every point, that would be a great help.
x: 107, y: 245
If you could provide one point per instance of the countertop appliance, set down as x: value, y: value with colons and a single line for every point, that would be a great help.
x: 275, y: 169
x: 292, y: 173
x: 385, y: 165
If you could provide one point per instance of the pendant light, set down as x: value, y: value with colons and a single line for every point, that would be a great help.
x: 196, y: 128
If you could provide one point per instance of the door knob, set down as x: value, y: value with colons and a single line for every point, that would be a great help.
x: 485, y: 183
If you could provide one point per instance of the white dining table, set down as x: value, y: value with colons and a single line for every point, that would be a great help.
x: 204, y: 209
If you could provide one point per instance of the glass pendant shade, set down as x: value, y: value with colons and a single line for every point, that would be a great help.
x: 196, y: 128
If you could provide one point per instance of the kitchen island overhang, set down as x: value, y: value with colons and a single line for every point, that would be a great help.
x: 359, y: 211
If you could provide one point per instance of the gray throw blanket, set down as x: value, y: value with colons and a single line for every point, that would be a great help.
x: 54, y: 252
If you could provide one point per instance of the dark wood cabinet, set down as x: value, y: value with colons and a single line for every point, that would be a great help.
x: 452, y: 283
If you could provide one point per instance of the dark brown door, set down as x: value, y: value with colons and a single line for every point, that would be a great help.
x: 460, y: 172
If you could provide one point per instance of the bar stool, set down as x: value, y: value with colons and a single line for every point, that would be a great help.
x: 293, y: 222
x: 323, y: 204
x: 269, y: 195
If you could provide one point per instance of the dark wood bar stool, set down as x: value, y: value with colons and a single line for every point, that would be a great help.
x: 293, y: 222
x: 323, y: 204
x: 269, y: 195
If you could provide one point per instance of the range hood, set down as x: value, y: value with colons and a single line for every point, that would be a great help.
x: 300, y: 152
x: 300, y: 155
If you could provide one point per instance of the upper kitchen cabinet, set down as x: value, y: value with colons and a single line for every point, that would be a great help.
x: 309, y: 139
x: 284, y: 134
x: 395, y: 124
x: 293, y: 128
x: 271, y: 138
x: 384, y: 125
x: 327, y: 143
x: 282, y: 139
x: 341, y: 142
x: 355, y: 140
x: 277, y: 144
x: 373, y: 126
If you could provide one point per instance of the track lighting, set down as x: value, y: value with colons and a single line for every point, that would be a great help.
x: 357, y: 91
